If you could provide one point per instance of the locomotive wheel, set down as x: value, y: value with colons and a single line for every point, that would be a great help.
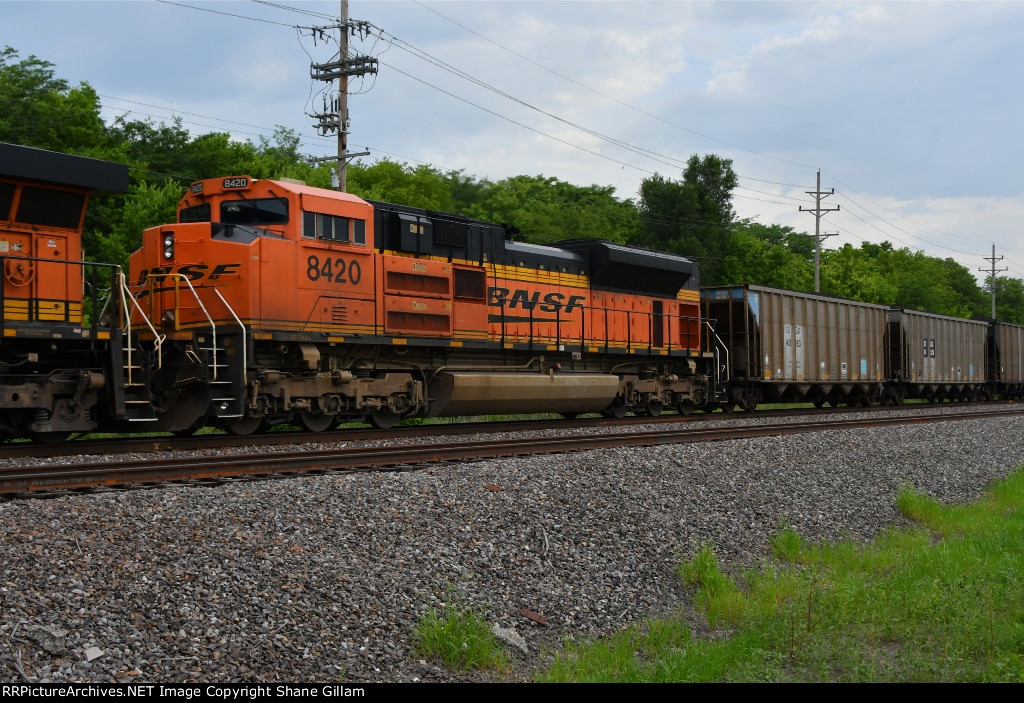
x: 316, y: 422
x: 654, y: 408
x: 243, y: 426
x: 51, y: 437
x: 684, y: 407
x: 384, y: 419
x: 569, y: 416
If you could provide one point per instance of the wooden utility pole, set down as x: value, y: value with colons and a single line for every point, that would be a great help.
x: 343, y: 102
x: 992, y: 272
x: 818, y: 211
x: 336, y: 119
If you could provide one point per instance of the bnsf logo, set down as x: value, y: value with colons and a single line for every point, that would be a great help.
x: 193, y: 272
x: 520, y: 298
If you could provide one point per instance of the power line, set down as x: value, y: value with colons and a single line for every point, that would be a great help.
x: 609, y: 97
x: 220, y: 12
x: 638, y: 150
x: 934, y: 244
x: 519, y: 124
x: 406, y: 46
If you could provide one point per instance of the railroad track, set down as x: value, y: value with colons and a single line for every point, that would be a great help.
x: 164, y: 443
x: 83, y: 475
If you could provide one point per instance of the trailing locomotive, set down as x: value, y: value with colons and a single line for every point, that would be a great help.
x: 269, y: 301
x: 60, y: 356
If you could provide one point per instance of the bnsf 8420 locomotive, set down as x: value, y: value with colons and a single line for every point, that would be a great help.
x: 271, y: 300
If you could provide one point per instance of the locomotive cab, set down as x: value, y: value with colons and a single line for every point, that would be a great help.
x: 255, y: 275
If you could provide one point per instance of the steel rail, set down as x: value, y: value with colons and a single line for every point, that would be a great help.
x: 80, y: 475
x: 140, y: 444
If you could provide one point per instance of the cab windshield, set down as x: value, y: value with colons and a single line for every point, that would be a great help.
x: 257, y: 212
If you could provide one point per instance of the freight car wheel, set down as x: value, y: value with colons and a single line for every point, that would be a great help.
x: 384, y: 419
x: 316, y: 422
x: 244, y: 425
x: 51, y: 437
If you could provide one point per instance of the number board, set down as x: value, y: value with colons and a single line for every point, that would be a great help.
x: 235, y: 183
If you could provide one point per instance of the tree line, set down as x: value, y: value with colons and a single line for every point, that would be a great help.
x: 691, y: 215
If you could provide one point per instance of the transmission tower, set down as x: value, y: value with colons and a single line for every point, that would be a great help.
x: 334, y: 117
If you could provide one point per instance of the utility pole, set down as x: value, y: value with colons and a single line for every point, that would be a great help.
x: 336, y: 119
x: 993, y: 271
x: 818, y: 211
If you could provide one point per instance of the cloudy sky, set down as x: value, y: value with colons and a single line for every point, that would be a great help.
x: 910, y: 109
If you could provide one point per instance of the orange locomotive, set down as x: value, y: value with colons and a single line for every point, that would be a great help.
x: 270, y: 301
x: 60, y: 367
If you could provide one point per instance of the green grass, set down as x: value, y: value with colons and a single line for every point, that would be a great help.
x: 941, y: 601
x: 461, y: 638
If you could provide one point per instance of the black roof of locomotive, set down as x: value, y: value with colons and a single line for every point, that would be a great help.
x: 29, y: 163
x: 624, y: 268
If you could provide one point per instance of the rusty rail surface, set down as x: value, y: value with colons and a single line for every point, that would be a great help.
x: 80, y: 474
x: 166, y: 442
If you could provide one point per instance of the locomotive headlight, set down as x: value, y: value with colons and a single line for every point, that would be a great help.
x: 168, y: 245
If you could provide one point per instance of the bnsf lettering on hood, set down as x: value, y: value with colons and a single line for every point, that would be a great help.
x: 523, y: 299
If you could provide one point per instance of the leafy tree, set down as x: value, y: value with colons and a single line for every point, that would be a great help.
x: 848, y: 272
x: 1009, y: 300
x: 42, y: 111
x: 770, y: 255
x: 147, y: 205
x: 546, y: 210
x: 467, y: 192
x: 420, y: 186
x: 692, y: 217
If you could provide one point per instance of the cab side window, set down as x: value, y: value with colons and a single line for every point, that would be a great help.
x: 333, y: 228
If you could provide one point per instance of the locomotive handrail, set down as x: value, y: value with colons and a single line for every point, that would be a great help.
x: 126, y: 295
x: 182, y: 277
x: 245, y: 344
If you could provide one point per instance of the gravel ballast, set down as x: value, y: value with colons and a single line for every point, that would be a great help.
x: 317, y: 578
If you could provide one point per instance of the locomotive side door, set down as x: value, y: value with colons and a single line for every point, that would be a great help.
x: 50, y: 287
